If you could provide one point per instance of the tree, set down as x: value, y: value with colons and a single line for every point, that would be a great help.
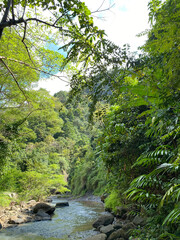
x: 72, y: 21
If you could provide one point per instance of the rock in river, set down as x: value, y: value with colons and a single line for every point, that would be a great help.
x: 62, y: 204
x: 104, y: 220
x: 45, y: 207
x: 107, y: 229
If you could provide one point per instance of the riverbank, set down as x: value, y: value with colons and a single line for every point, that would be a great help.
x: 21, y: 213
x: 18, y: 214
x: 72, y: 222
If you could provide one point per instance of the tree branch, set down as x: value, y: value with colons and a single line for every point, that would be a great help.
x: 4, y: 23
x: 41, y: 21
x: 35, y: 68
x: 103, y: 10
x: 13, y: 18
x: 4, y: 19
x: 12, y: 74
x: 24, y: 9
x: 24, y: 36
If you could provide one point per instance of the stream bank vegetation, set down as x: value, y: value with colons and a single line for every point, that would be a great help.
x: 116, y: 133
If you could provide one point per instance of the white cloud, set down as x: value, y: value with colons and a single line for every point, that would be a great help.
x: 53, y: 85
x: 124, y: 21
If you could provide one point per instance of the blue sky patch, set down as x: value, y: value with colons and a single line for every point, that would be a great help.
x: 123, y: 8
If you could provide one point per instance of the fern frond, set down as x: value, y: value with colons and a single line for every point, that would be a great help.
x: 173, y: 216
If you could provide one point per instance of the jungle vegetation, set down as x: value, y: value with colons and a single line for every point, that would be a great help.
x: 116, y: 132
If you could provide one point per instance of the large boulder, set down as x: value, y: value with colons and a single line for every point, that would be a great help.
x: 120, y: 233
x: 62, y: 204
x: 45, y: 207
x: 107, y: 229
x: 104, y: 220
x: 41, y: 215
x: 101, y: 236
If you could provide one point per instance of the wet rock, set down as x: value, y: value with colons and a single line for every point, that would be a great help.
x: 101, y: 236
x: 104, y: 220
x: 118, y: 234
x: 42, y: 214
x: 128, y: 226
x: 45, y: 207
x: 139, y: 221
x: 62, y: 204
x: 107, y: 229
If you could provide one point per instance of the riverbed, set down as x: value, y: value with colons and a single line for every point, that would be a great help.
x: 68, y: 223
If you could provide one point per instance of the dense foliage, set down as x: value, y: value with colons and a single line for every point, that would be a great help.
x: 139, y: 143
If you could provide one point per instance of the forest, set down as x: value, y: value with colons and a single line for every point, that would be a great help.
x: 116, y: 133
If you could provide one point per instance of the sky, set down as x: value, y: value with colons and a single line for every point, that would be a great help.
x: 122, y: 23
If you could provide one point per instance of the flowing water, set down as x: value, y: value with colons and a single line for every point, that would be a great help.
x: 68, y: 223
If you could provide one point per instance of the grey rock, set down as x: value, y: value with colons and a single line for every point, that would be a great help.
x: 41, y: 213
x: 101, y: 236
x: 45, y: 207
x: 62, y: 204
x: 98, y: 228
x: 128, y: 226
x: 107, y: 229
x: 104, y: 220
x: 117, y: 234
x: 139, y: 221
x: 117, y: 226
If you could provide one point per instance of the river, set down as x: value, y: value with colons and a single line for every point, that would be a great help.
x: 68, y: 223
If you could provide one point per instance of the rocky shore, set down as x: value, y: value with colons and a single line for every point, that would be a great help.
x: 109, y: 226
x: 116, y: 227
x: 25, y: 212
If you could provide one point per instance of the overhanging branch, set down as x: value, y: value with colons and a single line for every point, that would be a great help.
x: 12, y: 22
x: 35, y: 68
x: 12, y: 74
